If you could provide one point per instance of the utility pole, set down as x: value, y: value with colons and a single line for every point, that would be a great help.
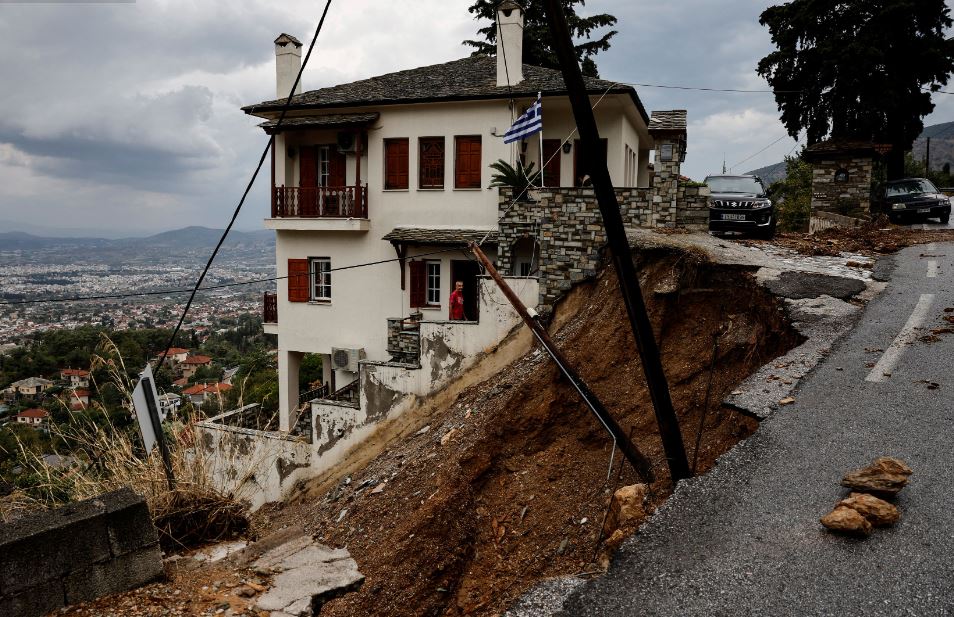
x: 636, y: 458
x: 619, y: 246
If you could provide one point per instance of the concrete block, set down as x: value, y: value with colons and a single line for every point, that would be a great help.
x: 117, y: 575
x: 129, y: 524
x: 34, y: 601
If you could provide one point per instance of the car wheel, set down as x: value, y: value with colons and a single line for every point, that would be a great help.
x: 945, y: 218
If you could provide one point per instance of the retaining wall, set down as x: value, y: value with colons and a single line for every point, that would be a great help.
x: 77, y: 553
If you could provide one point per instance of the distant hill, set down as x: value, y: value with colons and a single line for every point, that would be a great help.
x: 770, y: 173
x: 187, y: 238
x: 942, y: 151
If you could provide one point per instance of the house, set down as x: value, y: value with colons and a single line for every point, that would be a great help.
x: 377, y: 188
x: 398, y: 166
x: 76, y: 378
x: 201, y: 392
x: 191, y: 364
x: 169, y: 402
x: 31, y: 388
x: 174, y: 356
x: 34, y: 417
x: 76, y: 399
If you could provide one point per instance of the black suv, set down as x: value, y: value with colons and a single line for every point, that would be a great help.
x: 911, y: 198
x: 739, y: 204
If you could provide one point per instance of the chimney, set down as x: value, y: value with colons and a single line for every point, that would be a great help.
x: 509, y: 43
x: 287, y: 64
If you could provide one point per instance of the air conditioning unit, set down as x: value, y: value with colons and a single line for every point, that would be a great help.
x: 346, y: 359
x: 345, y: 142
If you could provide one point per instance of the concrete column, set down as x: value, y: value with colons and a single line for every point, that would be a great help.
x: 327, y: 373
x: 289, y: 363
x: 642, y: 169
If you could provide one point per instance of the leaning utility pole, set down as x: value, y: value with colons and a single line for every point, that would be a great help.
x: 636, y: 458
x: 619, y: 245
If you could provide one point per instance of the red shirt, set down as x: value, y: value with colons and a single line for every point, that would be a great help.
x: 457, y: 305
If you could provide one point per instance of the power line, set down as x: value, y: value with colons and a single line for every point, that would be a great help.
x: 759, y: 152
x: 166, y: 292
x: 702, y: 89
x: 251, y: 182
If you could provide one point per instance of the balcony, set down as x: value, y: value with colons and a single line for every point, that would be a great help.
x: 321, y: 208
x: 270, y: 313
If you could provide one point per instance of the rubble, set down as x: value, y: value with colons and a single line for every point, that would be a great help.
x: 877, y: 511
x: 848, y: 521
x: 884, y: 477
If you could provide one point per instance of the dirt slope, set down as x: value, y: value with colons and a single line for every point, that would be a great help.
x: 508, y: 484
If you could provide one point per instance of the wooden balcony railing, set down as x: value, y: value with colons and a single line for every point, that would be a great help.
x: 270, y: 314
x: 320, y: 202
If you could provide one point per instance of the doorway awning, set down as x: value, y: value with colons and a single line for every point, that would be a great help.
x: 458, y: 236
x: 323, y: 121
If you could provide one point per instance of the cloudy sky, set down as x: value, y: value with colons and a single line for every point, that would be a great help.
x: 123, y: 118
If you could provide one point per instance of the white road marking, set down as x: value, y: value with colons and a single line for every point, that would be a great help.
x: 932, y: 269
x: 889, y: 359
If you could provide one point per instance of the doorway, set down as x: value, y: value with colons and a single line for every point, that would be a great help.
x: 467, y: 272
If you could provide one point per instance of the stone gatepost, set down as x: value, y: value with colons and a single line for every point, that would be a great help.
x: 841, y: 176
x: 668, y: 130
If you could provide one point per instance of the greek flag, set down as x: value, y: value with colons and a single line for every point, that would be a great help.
x: 530, y: 122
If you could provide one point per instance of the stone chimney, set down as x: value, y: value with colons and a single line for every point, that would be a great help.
x: 509, y: 43
x: 287, y: 64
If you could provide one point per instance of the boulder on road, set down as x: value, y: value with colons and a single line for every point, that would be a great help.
x: 878, y: 512
x: 885, y: 477
x: 847, y: 521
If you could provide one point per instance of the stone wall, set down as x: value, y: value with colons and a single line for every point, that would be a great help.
x: 827, y: 220
x: 404, y: 341
x: 77, y: 553
x: 692, y: 207
x: 850, y: 196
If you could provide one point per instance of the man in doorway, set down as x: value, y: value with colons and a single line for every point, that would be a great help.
x: 457, y: 302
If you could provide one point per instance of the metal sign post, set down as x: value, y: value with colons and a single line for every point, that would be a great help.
x: 147, y: 415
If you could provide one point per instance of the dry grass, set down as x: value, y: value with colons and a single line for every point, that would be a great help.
x: 109, y: 458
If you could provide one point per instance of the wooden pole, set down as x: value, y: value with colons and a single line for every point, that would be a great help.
x: 595, y: 155
x: 636, y: 458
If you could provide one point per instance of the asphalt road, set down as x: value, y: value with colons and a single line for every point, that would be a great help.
x: 745, y: 539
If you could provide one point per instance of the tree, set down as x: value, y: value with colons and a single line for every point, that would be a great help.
x: 537, y: 47
x: 858, y: 69
x: 793, y: 195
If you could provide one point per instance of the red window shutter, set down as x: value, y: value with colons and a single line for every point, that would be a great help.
x: 467, y: 162
x: 418, y: 283
x: 298, y: 280
x: 551, y: 153
x: 395, y: 163
x: 308, y: 166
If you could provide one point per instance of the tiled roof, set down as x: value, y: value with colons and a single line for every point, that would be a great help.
x: 33, y: 413
x: 74, y: 371
x: 197, y: 360
x: 843, y: 146
x: 80, y: 392
x: 323, y: 121
x: 431, y: 235
x: 210, y: 388
x: 173, y: 351
x: 672, y: 120
x: 32, y: 381
x: 460, y: 80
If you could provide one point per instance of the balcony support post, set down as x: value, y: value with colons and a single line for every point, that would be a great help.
x: 274, y: 203
x: 359, y: 202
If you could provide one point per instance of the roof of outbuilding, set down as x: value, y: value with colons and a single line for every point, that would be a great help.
x: 33, y: 413
x: 822, y: 149
x: 440, y: 236
x: 323, y: 121
x: 671, y: 120
x: 459, y: 80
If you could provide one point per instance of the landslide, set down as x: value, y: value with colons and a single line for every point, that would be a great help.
x: 508, y: 485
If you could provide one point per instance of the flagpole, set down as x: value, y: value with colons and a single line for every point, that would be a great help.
x: 542, y: 179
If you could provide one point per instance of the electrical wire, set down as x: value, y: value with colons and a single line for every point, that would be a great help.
x: 211, y: 287
x: 261, y: 161
x: 701, y: 89
x: 759, y: 152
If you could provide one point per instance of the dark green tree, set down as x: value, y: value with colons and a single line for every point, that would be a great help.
x: 537, y: 47
x: 793, y: 195
x: 858, y: 69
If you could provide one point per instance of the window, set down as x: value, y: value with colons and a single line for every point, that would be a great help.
x: 467, y: 162
x: 431, y: 163
x: 434, y: 283
x: 395, y: 164
x: 321, y: 278
x: 525, y: 268
x: 324, y: 165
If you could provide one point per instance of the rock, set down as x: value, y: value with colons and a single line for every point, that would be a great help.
x: 884, y: 478
x: 448, y: 436
x: 878, y: 512
x: 847, y: 521
x: 626, y: 508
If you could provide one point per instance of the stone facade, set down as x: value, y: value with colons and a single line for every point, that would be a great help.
x: 842, y: 184
x: 692, y: 207
x: 404, y: 340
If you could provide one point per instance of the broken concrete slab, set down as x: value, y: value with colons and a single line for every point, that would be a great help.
x: 801, y: 285
x: 307, y: 574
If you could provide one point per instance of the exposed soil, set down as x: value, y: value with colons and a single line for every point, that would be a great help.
x: 508, y: 485
x: 505, y: 483
x: 875, y: 238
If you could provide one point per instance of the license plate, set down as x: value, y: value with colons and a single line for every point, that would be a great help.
x: 733, y: 217
x: 923, y: 210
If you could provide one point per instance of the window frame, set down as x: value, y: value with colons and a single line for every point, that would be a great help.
x: 315, y: 270
x: 405, y: 172
x: 421, y: 142
x: 435, y: 300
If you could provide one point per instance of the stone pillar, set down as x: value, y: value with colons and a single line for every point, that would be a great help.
x: 841, y: 177
x: 666, y: 180
x: 288, y: 364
